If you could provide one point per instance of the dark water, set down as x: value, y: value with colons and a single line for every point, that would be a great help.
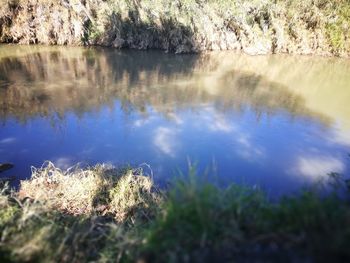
x: 280, y: 122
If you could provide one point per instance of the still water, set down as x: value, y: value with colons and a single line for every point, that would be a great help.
x: 280, y: 122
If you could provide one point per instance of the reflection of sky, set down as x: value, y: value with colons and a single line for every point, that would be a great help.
x: 340, y: 136
x: 276, y: 152
x: 315, y: 167
x: 164, y: 140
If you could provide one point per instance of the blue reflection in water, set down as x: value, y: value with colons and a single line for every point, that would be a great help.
x: 253, y: 131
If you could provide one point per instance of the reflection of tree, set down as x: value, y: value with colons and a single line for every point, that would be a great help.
x: 261, y: 95
x: 51, y: 83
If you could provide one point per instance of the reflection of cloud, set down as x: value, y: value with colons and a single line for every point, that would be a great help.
x: 164, y: 140
x: 175, y: 118
x: 217, y: 122
x: 243, y: 140
x: 142, y: 122
x: 244, y: 145
x: 341, y: 136
x: 63, y: 162
x: 220, y: 124
x: 8, y: 140
x: 314, y: 167
x: 247, y: 149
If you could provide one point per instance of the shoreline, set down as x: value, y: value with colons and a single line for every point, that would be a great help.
x: 199, y: 53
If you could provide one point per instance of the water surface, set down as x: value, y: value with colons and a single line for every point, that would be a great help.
x: 280, y: 122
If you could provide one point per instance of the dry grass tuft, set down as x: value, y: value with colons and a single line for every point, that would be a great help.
x: 73, y: 191
x: 102, y: 189
x: 134, y: 195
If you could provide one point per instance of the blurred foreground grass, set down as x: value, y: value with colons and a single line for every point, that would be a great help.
x: 103, y: 214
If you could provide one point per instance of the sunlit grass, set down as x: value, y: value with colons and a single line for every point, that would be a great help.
x: 134, y: 195
x: 183, y: 26
x: 101, y: 189
x: 73, y: 191
x: 125, y: 218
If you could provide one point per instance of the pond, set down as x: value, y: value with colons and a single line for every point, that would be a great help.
x: 280, y: 122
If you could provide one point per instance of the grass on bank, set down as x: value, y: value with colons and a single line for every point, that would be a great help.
x: 321, y: 18
x: 278, y: 25
x: 102, y: 189
x: 103, y: 214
